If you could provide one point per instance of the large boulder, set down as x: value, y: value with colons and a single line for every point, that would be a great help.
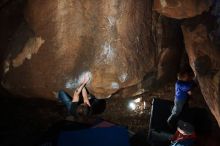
x: 62, y: 40
x: 180, y: 9
x: 204, y: 59
x: 117, y: 42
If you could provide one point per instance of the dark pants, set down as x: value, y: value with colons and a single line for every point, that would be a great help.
x: 65, y: 98
x: 176, y: 111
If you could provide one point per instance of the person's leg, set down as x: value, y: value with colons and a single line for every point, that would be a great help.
x: 177, y: 109
x: 186, y: 104
x: 65, y: 98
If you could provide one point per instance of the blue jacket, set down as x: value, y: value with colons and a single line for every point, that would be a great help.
x: 181, y: 89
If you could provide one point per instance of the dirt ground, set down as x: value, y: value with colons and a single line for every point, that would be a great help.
x: 24, y: 120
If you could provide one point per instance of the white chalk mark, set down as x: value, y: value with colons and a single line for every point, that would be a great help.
x: 123, y: 77
x: 111, y: 21
x: 163, y: 3
x: 115, y: 85
x: 107, y: 54
x: 108, y: 50
x: 74, y: 83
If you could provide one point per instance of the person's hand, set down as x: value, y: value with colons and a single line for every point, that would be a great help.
x: 75, y: 97
x: 87, y: 102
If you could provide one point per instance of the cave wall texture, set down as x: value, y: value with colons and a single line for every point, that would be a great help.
x: 126, y: 46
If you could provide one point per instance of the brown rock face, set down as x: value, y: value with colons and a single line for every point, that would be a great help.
x: 62, y: 40
x: 180, y: 9
x: 117, y: 43
x: 169, y: 51
x: 205, y: 61
x: 167, y: 60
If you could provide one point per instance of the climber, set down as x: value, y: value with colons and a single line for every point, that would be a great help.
x: 184, y: 136
x: 82, y: 105
x: 183, y: 87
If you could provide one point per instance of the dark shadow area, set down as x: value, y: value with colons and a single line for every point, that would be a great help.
x: 26, y: 120
x: 139, y: 139
x: 23, y: 120
x: 160, y: 132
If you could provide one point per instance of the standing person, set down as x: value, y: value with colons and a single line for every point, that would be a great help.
x: 80, y: 104
x: 183, y: 87
x: 184, y: 136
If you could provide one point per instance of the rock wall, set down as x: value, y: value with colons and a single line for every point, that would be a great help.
x: 119, y: 43
x: 205, y: 62
x: 180, y: 9
x: 10, y: 15
x: 168, y: 58
x: 62, y: 40
x: 201, y: 38
x: 124, y: 45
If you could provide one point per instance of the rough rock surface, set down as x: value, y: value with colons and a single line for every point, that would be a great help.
x: 122, y: 44
x: 165, y: 31
x: 180, y: 9
x: 167, y: 60
x: 204, y: 59
x: 62, y: 40
x: 118, y: 42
